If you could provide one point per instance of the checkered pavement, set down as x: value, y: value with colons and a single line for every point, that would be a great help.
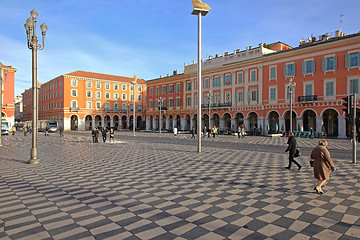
x: 154, y: 190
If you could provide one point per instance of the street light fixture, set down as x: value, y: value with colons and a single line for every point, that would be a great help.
x: 32, y: 42
x: 160, y: 107
x: 1, y: 104
x: 291, y: 91
x: 199, y: 9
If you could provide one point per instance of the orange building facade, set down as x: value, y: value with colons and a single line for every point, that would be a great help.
x: 251, y: 87
x: 8, y: 93
x: 83, y: 100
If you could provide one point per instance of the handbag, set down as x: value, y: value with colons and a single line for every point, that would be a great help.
x: 311, y: 163
x: 297, y: 152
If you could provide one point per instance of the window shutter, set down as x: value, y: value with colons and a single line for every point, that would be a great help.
x: 313, y: 66
x: 249, y: 96
x: 303, y: 68
x: 236, y: 96
x: 285, y: 70
x: 294, y: 69
x: 324, y: 64
x: 257, y: 95
x: 335, y: 62
x: 347, y: 60
x: 224, y: 80
x: 358, y: 54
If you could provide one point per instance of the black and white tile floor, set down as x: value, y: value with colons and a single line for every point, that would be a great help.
x: 160, y: 188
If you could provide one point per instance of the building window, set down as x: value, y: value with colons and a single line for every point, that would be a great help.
x: 139, y: 107
x: 139, y: 88
x: 352, y: 59
x: 228, y: 80
x: 329, y: 89
x: 216, y: 82
x: 253, y: 95
x: 88, y: 105
x: 139, y: 97
x: 98, y: 105
x: 195, y: 85
x: 308, y: 67
x: 88, y: 84
x: 308, y: 89
x: 74, y: 82
x: 107, y: 86
x: 151, y: 91
x: 272, y: 94
x: 74, y: 104
x: 163, y: 89
x: 123, y: 87
x: 74, y: 93
x: 188, y: 86
x: 88, y: 94
x: 272, y: 72
x: 354, y: 86
x: 240, y: 96
x: 131, y: 87
x: 116, y: 106
x: 171, y: 88
x: 151, y: 104
x: 124, y: 106
x: 131, y: 97
x: 289, y: 70
x: 107, y: 106
x: 178, y: 87
x: 116, y: 87
x: 188, y: 101
x: 253, y: 76
x: 98, y: 85
x: 107, y: 95
x: 116, y: 96
x: 240, y: 76
x: 157, y: 90
x: 97, y: 94
x: 227, y: 97
x: 206, y: 83
x: 124, y: 97
x: 171, y: 102
x: 329, y: 63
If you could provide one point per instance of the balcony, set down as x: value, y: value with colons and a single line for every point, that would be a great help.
x: 217, y: 105
x: 307, y: 99
x: 74, y: 109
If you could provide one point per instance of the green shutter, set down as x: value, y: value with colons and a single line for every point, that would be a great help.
x: 347, y: 60
x: 294, y: 69
x: 313, y: 66
x: 236, y: 96
x: 358, y: 58
x: 285, y: 70
x: 324, y: 64
x: 303, y: 70
x: 335, y: 62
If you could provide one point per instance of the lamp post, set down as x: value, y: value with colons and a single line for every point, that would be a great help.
x: 134, y: 83
x: 1, y: 104
x: 32, y: 42
x: 209, y: 101
x: 291, y: 91
x: 199, y: 9
x: 160, y: 106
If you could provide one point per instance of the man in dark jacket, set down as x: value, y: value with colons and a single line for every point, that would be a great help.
x: 292, y: 149
x: 104, y: 131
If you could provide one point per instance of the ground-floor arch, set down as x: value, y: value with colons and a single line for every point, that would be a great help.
x: 88, y: 122
x: 273, y: 126
x: 74, y: 120
x: 309, y: 120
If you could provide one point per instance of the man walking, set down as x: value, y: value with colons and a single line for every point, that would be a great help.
x: 104, y: 131
x: 292, y: 149
x: 193, y: 133
x: 61, y: 132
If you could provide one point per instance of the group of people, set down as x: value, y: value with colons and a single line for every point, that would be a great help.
x: 322, y: 163
x: 96, y: 132
x: 207, y: 132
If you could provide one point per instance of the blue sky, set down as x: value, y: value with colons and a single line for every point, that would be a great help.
x: 155, y: 37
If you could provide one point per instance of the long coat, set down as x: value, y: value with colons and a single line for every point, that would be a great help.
x: 322, y: 163
x: 292, y: 145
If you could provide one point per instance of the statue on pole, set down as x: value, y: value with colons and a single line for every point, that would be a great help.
x: 199, y: 5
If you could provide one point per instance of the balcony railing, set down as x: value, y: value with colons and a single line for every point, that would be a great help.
x: 309, y: 98
x: 217, y: 105
x: 74, y: 109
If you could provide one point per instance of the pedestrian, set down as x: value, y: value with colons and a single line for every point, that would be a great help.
x: 13, y: 130
x: 46, y: 131
x: 193, y: 133
x: 61, y: 131
x: 175, y: 131
x: 204, y: 132
x: 96, y: 134
x: 93, y: 135
x: 112, y: 134
x: 311, y: 133
x: 243, y: 131
x: 25, y: 131
x: 239, y: 132
x: 322, y: 165
x: 292, y: 149
x: 214, y: 130
x: 104, y: 131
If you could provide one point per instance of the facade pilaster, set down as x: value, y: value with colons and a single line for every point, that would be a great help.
x: 247, y: 124
x: 341, y: 126
x: 266, y: 126
x: 282, y: 124
x: 299, y: 124
x: 319, y: 122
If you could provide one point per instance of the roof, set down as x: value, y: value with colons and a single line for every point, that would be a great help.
x: 101, y: 76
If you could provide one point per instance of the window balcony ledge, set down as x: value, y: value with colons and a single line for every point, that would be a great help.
x: 307, y: 99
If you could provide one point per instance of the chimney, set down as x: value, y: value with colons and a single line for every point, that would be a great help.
x: 175, y: 72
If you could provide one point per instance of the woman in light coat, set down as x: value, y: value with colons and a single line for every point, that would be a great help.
x: 322, y: 165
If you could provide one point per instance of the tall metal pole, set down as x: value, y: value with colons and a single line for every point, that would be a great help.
x: 1, y: 104
x: 134, y: 111
x: 160, y: 115
x: 199, y: 86
x: 354, y: 130
x: 291, y: 107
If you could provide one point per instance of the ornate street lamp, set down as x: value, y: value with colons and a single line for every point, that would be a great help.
x: 32, y: 42
x: 291, y: 91
x: 200, y: 9
x: 1, y: 104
